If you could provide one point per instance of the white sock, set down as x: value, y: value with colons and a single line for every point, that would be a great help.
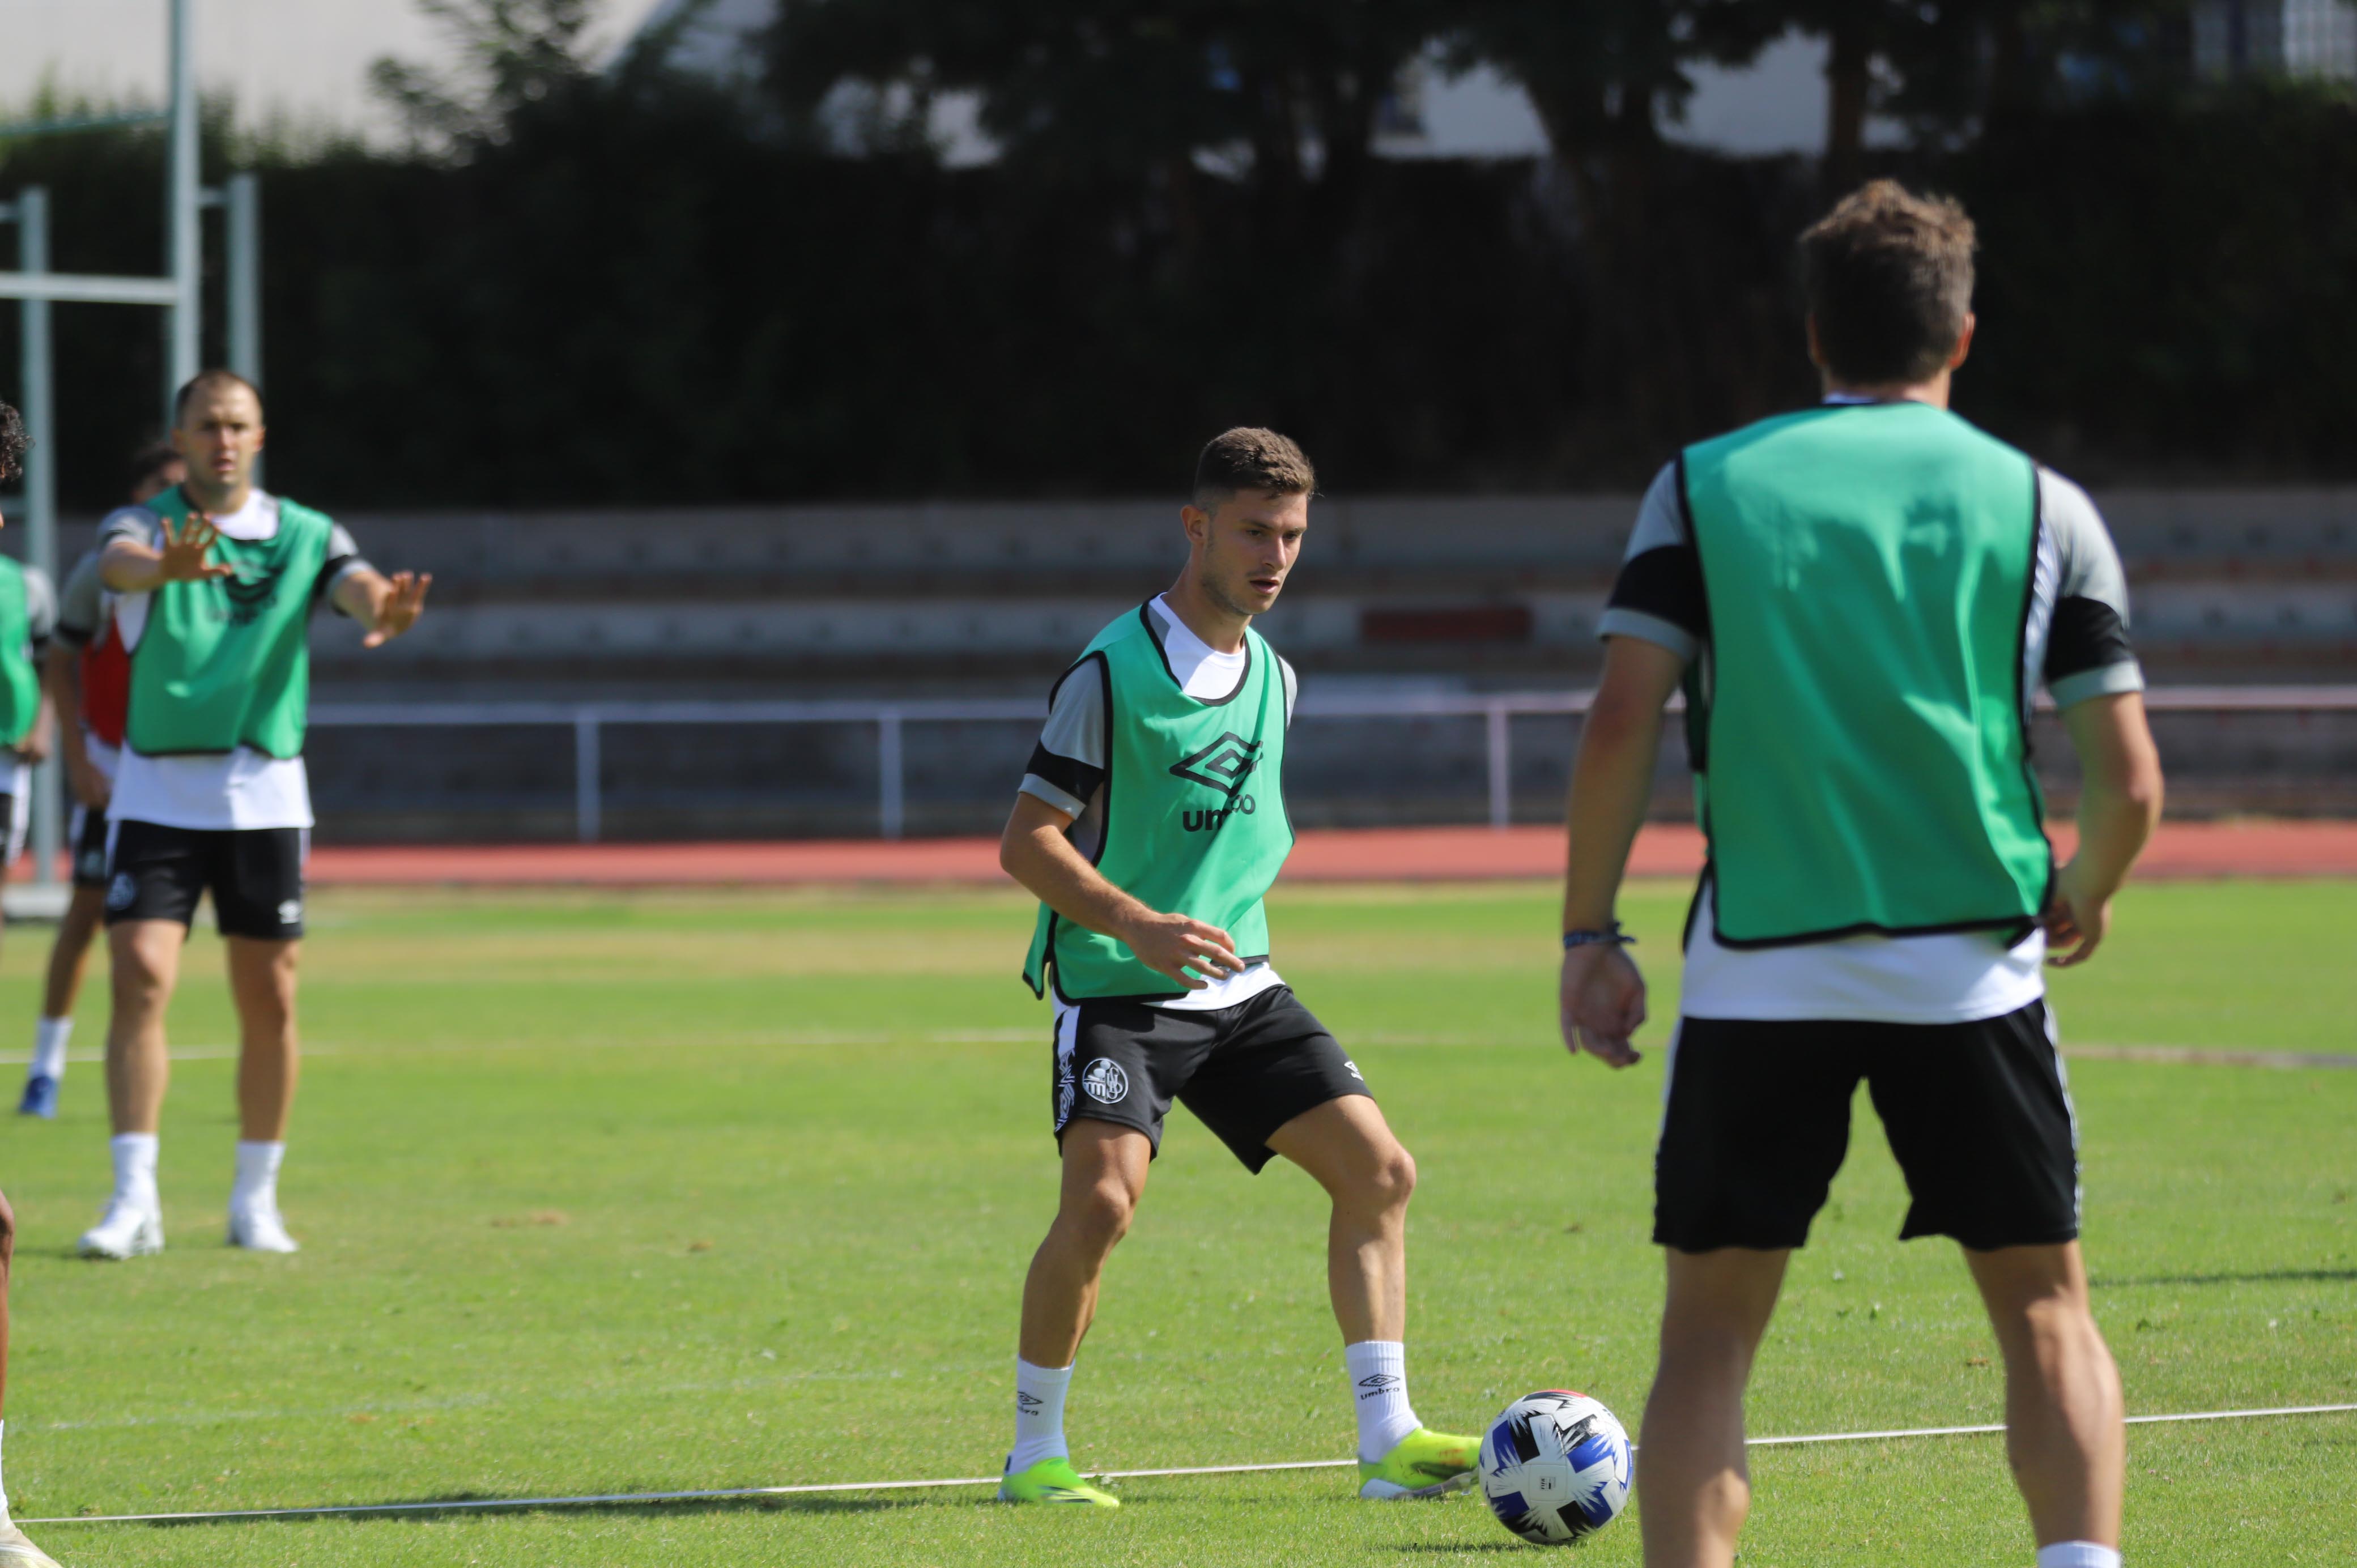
x: 134, y: 1169
x: 257, y: 1175
x: 4, y: 1490
x: 49, y: 1037
x: 2078, y: 1554
x: 1379, y: 1393
x: 1038, y: 1414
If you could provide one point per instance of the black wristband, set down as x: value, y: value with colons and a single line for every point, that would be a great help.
x: 1611, y: 934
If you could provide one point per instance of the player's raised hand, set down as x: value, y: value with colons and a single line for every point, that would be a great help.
x: 1602, y: 1002
x: 1173, y: 944
x: 182, y: 557
x: 404, y: 602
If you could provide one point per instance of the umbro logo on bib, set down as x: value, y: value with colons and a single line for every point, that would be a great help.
x: 1223, y: 765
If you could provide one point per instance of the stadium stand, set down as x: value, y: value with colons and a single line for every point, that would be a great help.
x: 1398, y: 594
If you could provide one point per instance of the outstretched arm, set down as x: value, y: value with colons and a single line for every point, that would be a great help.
x: 1603, y: 996
x: 1036, y: 853
x: 2119, y: 805
x: 136, y: 566
x: 386, y: 606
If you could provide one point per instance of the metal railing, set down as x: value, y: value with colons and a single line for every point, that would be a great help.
x: 1496, y: 709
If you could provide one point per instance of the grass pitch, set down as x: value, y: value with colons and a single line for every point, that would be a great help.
x: 616, y: 1193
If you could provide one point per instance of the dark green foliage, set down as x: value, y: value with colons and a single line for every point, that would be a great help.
x: 638, y: 294
x: 2170, y: 287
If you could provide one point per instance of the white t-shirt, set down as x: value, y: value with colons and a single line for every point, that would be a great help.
x: 239, y: 789
x: 2076, y: 644
x: 1073, y: 745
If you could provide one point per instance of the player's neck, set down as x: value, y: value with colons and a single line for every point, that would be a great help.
x: 1222, y: 629
x: 1934, y: 391
x: 214, y: 502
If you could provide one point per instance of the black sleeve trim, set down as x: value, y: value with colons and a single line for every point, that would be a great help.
x: 2088, y: 635
x: 1073, y: 777
x: 333, y: 567
x: 1665, y: 583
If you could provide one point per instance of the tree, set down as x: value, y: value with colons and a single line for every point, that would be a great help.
x: 1148, y: 93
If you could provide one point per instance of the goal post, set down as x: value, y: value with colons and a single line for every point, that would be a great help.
x: 179, y: 293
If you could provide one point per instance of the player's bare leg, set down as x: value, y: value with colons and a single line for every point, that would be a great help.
x: 145, y: 955
x: 2064, y: 1432
x: 1104, y: 1171
x: 261, y: 979
x: 1349, y: 1149
x: 262, y: 976
x: 60, y: 988
x: 1695, y: 1485
x: 16, y: 1552
x: 70, y: 954
x: 1105, y: 1175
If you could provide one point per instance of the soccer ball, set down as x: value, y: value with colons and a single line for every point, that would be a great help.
x: 1555, y: 1465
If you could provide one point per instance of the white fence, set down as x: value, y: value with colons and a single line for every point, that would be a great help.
x: 1496, y: 709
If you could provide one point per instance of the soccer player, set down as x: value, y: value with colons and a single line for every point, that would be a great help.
x: 28, y: 616
x: 15, y: 1551
x: 1150, y: 825
x: 216, y: 582
x: 1860, y: 600
x: 88, y: 675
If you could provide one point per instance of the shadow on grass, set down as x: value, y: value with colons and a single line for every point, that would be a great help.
x: 463, y: 1504
x: 1434, y: 1548
x: 2255, y: 1277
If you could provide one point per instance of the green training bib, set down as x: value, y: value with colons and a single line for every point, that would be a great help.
x: 20, y: 683
x: 227, y: 662
x: 1864, y: 762
x: 1194, y: 812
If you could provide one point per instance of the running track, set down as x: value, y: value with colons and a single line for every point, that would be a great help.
x: 2182, y: 850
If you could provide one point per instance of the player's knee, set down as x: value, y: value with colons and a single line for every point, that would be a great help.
x: 1388, y: 1180
x: 136, y: 976
x: 1100, y: 1215
x: 8, y: 1231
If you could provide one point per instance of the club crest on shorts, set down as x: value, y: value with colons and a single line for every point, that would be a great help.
x: 121, y: 891
x: 1105, y: 1082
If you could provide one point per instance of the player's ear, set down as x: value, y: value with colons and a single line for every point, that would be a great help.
x: 1198, y: 524
x: 1964, y: 347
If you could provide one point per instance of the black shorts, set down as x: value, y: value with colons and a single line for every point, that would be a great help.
x: 89, y: 835
x: 1757, y: 1123
x: 255, y: 875
x: 1245, y: 1071
x: 15, y: 816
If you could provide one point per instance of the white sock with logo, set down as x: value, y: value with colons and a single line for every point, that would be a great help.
x: 2078, y: 1554
x: 1038, y: 1414
x: 257, y: 1176
x: 134, y: 1169
x: 49, y: 1037
x: 1379, y: 1394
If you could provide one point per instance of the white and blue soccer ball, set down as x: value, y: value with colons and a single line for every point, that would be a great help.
x: 1555, y: 1465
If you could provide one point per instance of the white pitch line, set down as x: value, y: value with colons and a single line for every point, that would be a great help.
x: 604, y: 1499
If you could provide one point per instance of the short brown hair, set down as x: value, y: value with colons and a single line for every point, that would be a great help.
x: 1247, y: 458
x: 150, y: 462
x: 14, y: 442
x: 1890, y: 278
x: 205, y: 381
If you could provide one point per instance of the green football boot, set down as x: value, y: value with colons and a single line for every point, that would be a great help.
x: 1424, y: 1463
x: 1054, y: 1481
